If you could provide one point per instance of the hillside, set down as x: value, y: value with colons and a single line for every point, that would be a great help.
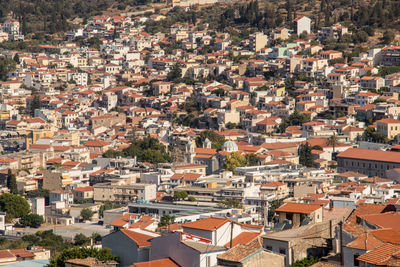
x: 361, y: 16
x: 52, y: 16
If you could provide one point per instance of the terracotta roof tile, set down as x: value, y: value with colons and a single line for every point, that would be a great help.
x: 208, y: 224
x: 157, y: 263
x: 380, y: 255
x: 373, y: 155
x: 298, y: 208
x: 243, y: 239
x: 140, y: 239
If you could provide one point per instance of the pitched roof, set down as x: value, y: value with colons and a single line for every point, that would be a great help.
x: 389, y: 120
x: 121, y: 221
x: 380, y: 255
x: 373, y: 155
x: 365, y: 242
x: 243, y: 239
x: 241, y: 252
x: 167, y: 262
x: 142, y: 240
x: 97, y: 143
x: 273, y: 184
x: 298, y: 208
x: 384, y: 220
x: 208, y: 224
x: 365, y: 209
x: 84, y: 189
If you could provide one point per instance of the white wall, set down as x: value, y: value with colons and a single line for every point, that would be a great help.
x: 349, y: 255
x: 213, y: 258
x: 125, y: 248
x: 169, y: 245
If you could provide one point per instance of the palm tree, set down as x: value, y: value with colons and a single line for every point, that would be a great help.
x: 332, y: 141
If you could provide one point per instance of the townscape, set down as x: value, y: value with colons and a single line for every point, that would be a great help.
x: 161, y: 138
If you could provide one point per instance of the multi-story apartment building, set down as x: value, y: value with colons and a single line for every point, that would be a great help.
x: 123, y: 193
x: 333, y: 32
x: 388, y: 127
x: 369, y: 162
x: 391, y: 56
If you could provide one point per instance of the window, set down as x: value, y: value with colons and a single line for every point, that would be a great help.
x: 356, y: 262
x: 208, y: 261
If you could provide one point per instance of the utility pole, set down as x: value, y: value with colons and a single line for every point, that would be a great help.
x: 230, y: 243
x: 341, y: 243
x: 266, y: 213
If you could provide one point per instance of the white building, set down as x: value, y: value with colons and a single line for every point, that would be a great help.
x: 302, y: 24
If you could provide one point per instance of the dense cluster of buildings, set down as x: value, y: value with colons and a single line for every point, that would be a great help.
x: 63, y: 108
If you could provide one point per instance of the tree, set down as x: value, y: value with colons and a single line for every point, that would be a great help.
x: 192, y: 199
x: 373, y: 136
x: 12, y: 182
x: 317, y: 147
x: 16, y: 58
x: 87, y: 214
x: 176, y: 73
x: 148, y: 149
x: 39, y: 193
x: 32, y: 220
x: 220, y: 92
x: 97, y: 237
x: 166, y: 220
x: 231, y: 125
x: 332, y: 141
x: 252, y: 159
x: 294, y: 119
x: 234, y: 160
x: 15, y: 206
x: 216, y: 140
x: 388, y: 37
x: 103, y: 254
x: 178, y: 195
x: 80, y: 239
x: 306, y: 262
x: 6, y: 65
x: 108, y: 205
x: 111, y: 153
x: 231, y: 203
x: 49, y: 240
x: 36, y: 104
x: 305, y: 155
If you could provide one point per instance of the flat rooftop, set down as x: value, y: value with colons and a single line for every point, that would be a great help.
x: 180, y: 209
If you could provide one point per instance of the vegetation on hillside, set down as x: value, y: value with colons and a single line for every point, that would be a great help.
x: 148, y: 149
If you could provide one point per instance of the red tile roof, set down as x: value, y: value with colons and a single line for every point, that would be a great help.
x: 273, y: 184
x: 380, y: 255
x: 365, y: 242
x: 384, y: 220
x: 157, y: 263
x: 121, y: 221
x: 208, y: 224
x: 96, y: 143
x: 84, y: 189
x: 140, y: 239
x: 298, y: 208
x: 373, y: 155
x: 243, y: 238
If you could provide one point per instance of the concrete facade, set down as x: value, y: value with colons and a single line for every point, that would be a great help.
x: 125, y: 248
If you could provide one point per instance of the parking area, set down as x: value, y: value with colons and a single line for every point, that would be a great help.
x: 69, y: 231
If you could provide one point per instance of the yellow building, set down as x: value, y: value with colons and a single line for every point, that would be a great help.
x: 72, y: 137
x: 388, y: 127
x: 280, y: 91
